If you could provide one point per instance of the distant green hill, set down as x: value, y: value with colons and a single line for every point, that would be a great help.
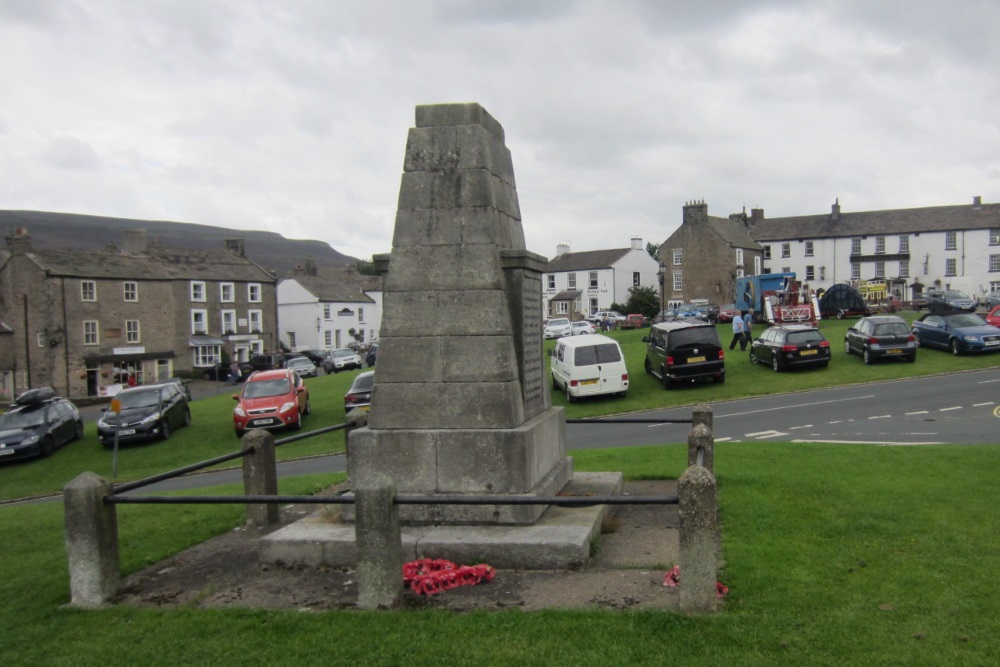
x: 92, y: 232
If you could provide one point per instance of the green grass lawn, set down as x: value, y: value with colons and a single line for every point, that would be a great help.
x: 835, y: 555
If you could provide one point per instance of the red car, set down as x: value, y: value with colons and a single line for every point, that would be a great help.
x: 993, y: 317
x: 727, y: 312
x: 271, y: 399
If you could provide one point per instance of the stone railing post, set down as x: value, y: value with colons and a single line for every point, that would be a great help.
x: 379, y: 544
x: 355, y: 419
x: 91, y: 541
x: 701, y: 447
x: 699, y: 538
x: 702, y: 414
x: 260, y: 476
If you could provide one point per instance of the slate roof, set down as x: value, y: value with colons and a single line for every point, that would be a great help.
x: 895, y: 221
x: 587, y: 260
x: 162, y: 264
x: 568, y: 295
x: 328, y: 288
x: 734, y: 232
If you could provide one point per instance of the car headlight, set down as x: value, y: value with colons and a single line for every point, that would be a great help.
x: 153, y: 418
x: 285, y: 407
x: 971, y: 339
x: 103, y: 424
x: 30, y: 440
x: 238, y: 410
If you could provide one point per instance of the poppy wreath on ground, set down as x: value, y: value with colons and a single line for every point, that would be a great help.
x: 429, y: 576
x: 673, y: 578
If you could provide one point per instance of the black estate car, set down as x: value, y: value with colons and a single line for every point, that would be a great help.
x: 684, y: 351
x: 37, y: 424
x: 786, y: 346
x: 144, y: 413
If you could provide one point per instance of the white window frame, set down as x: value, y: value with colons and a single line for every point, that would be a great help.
x: 327, y: 312
x: 739, y: 257
x: 130, y: 291
x: 679, y: 257
x: 198, y: 291
x: 91, y: 332
x: 133, y: 334
x: 571, y: 280
x: 594, y: 284
x: 328, y: 338
x: 636, y: 279
x: 227, y: 318
x: 206, y: 355
x: 562, y: 307
x: 199, y: 322
x: 880, y: 269
x: 856, y: 245
x: 880, y: 245
x: 786, y: 249
x: 254, y: 293
x: 767, y: 253
x: 227, y: 292
x: 677, y: 281
x: 810, y: 248
x: 810, y: 272
x: 256, y: 320
x: 88, y: 290
x: 361, y: 314
x: 855, y: 271
x: 904, y: 269
x: 550, y: 280
x: 904, y: 243
x: 951, y: 266
x: 951, y: 240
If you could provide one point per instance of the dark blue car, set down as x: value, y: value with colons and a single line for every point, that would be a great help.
x: 960, y: 332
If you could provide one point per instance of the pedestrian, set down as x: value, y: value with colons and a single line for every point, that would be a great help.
x: 747, y: 329
x: 738, y: 333
x: 234, y: 373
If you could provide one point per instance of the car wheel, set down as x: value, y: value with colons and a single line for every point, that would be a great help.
x: 867, y: 356
x: 187, y: 417
x: 240, y: 433
x: 308, y: 409
x: 719, y: 379
x: 667, y: 384
x: 775, y: 365
x: 847, y: 346
x: 78, y: 434
x: 753, y: 357
x: 297, y: 426
x: 570, y: 397
x: 648, y: 366
x: 956, y: 348
x: 164, y: 430
x: 48, y: 446
x: 911, y: 358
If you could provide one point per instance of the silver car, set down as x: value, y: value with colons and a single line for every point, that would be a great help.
x: 303, y: 366
x: 558, y: 328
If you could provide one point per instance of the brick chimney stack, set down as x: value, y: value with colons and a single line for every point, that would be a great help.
x: 695, y: 212
x: 835, y: 210
x: 19, y: 242
x: 235, y: 246
x: 134, y: 241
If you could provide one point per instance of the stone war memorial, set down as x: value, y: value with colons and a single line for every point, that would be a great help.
x: 461, y: 404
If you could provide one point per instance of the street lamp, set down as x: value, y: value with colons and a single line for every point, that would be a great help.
x: 662, y: 276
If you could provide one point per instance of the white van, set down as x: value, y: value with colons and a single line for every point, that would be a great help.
x: 588, y: 366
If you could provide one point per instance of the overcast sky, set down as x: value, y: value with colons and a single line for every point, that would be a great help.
x: 292, y: 116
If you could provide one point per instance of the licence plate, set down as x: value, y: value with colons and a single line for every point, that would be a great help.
x: 894, y: 351
x: 127, y: 431
x: 588, y: 381
x: 5, y: 452
x: 806, y: 353
x: 692, y: 360
x: 261, y: 422
x: 991, y: 343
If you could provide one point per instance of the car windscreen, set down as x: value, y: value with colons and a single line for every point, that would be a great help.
x: 892, y: 329
x: 362, y: 383
x: 965, y: 320
x: 341, y: 353
x: 604, y: 353
x: 955, y: 294
x: 694, y: 336
x: 139, y: 399
x: 265, y: 388
x: 22, y: 419
x: 804, y: 337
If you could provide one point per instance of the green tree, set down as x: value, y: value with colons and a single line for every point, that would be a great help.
x: 366, y: 267
x: 645, y: 300
x: 653, y: 249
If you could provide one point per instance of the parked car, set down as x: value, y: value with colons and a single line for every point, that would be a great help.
x: 341, y: 359
x: 787, y: 346
x: 939, y: 301
x: 144, y: 413
x: 635, y: 321
x: 688, y: 312
x: 589, y: 366
x: 182, y: 384
x: 303, y: 366
x: 311, y: 355
x: 271, y: 399
x: 728, y: 312
x: 993, y: 317
x: 221, y: 372
x: 881, y: 336
x: 602, y: 315
x: 582, y: 328
x: 684, y: 351
x: 958, y: 332
x: 360, y: 393
x: 558, y: 327
x: 665, y: 316
x: 992, y: 299
x: 265, y: 362
x: 709, y: 312
x: 38, y: 423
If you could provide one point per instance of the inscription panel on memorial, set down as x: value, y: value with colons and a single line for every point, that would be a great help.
x: 532, y: 364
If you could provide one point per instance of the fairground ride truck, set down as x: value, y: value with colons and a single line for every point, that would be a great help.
x: 776, y: 298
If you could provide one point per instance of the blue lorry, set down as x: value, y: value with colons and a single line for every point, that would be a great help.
x: 750, y: 290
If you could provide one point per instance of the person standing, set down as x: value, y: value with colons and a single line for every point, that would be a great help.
x: 738, y: 333
x: 747, y: 329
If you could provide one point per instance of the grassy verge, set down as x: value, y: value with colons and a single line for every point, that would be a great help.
x: 835, y: 555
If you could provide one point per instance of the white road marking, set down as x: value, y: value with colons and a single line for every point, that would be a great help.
x: 793, y: 407
x: 723, y: 439
x: 957, y: 407
x: 918, y: 412
x: 987, y: 381
x: 980, y: 405
x: 835, y: 422
x: 881, y: 417
x: 764, y: 434
x: 885, y: 443
x: 795, y: 428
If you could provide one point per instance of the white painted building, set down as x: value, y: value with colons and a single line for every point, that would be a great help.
x: 582, y: 283
x: 955, y: 247
x: 329, y: 309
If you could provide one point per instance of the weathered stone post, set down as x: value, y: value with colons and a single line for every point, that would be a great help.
x: 91, y: 541
x: 702, y: 414
x: 698, y: 539
x: 260, y: 476
x: 701, y: 447
x: 355, y: 419
x: 379, y: 544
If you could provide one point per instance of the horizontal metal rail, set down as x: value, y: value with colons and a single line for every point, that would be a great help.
x: 170, y: 474
x: 629, y: 420
x: 559, y: 501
